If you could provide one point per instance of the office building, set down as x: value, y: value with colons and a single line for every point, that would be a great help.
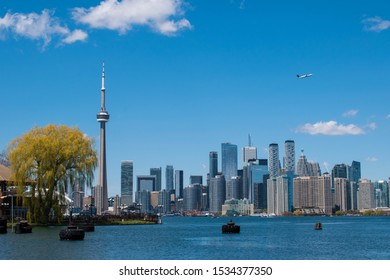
x: 229, y: 160
x: 277, y: 195
x: 213, y: 164
x: 217, y: 193
x: 193, y: 198
x: 156, y: 171
x: 169, y: 182
x: 233, y: 188
x: 341, y: 188
x: 127, y: 182
x: 146, y: 183
x: 196, y: 179
x: 179, y: 183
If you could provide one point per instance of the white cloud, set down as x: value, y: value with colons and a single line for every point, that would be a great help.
x: 350, y: 113
x: 76, y: 35
x: 372, y: 159
x: 41, y: 27
x: 375, y: 24
x: 372, y: 125
x: 122, y: 16
x: 330, y: 128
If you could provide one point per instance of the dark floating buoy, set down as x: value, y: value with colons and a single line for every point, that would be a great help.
x: 3, y: 225
x: 318, y: 226
x: 23, y: 227
x: 230, y: 227
x: 72, y: 233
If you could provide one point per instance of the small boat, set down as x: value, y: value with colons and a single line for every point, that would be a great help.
x: 318, y: 226
x: 72, y: 233
x: 23, y: 227
x: 3, y: 225
x: 230, y: 227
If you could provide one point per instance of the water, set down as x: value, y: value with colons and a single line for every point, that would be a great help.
x: 200, y: 238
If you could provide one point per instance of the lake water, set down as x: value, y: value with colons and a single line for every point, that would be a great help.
x: 200, y: 238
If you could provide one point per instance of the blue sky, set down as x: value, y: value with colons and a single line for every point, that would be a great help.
x: 184, y: 76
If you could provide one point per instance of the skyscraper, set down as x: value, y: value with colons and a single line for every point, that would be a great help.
x: 273, y: 160
x: 289, y: 156
x: 229, y: 160
x: 213, y: 164
x: 303, y: 167
x: 169, y: 178
x: 157, y: 172
x: 102, y: 118
x: 127, y: 182
x: 249, y: 152
x: 217, y: 193
x: 179, y: 183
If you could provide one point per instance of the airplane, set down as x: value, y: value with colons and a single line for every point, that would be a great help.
x: 304, y: 76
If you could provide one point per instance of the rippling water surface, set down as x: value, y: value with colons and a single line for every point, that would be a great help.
x: 200, y: 238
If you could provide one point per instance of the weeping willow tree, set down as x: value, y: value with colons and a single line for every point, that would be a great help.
x: 44, y: 162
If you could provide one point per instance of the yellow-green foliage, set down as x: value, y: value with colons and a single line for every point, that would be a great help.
x: 46, y: 160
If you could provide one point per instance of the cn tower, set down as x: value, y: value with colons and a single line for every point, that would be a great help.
x: 102, y: 118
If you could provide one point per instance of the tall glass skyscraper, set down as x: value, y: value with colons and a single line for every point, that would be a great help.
x: 127, y: 182
x: 213, y: 164
x: 179, y: 183
x: 169, y: 178
x: 157, y: 172
x: 229, y: 160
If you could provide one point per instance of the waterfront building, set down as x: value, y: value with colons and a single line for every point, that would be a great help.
x: 381, y: 194
x: 142, y: 199
x: 340, y: 171
x: 257, y: 174
x: 193, y: 198
x: 273, y: 160
x: 233, y: 187
x: 237, y: 207
x: 169, y: 182
x: 277, y: 195
x: 127, y: 182
x: 146, y: 182
x: 217, y: 193
x: 313, y: 192
x: 229, y: 160
x: 196, y: 179
x: 164, y: 201
x: 179, y: 183
x: 102, y: 118
x: 341, y: 188
x: 156, y: 171
x: 366, y: 194
x: 289, y: 156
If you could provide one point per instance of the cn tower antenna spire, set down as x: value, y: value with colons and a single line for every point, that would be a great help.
x: 103, y: 91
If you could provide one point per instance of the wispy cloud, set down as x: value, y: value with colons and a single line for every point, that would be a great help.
x: 350, y: 113
x: 372, y: 159
x: 242, y: 5
x: 375, y: 24
x: 162, y: 16
x: 372, y: 125
x: 330, y: 128
x: 41, y: 27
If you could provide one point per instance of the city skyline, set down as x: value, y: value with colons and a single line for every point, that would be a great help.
x: 196, y: 74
